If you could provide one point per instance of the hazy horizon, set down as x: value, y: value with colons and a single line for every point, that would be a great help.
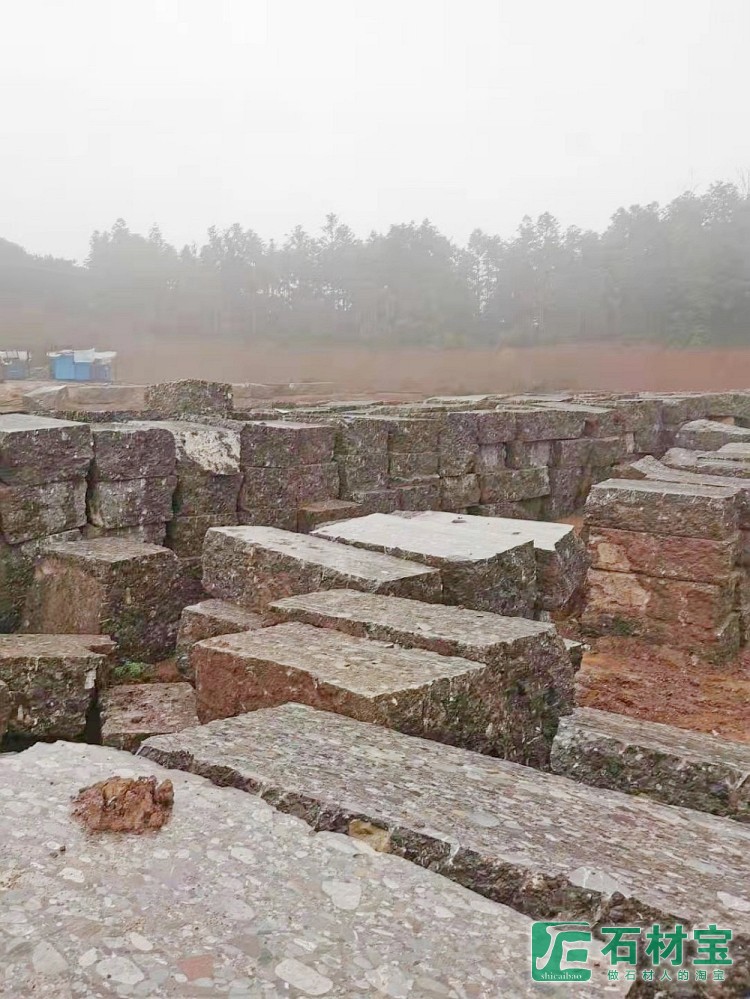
x: 185, y: 114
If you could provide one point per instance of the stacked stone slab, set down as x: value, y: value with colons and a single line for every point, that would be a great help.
x: 43, y: 467
x: 285, y: 466
x: 188, y: 398
x: 252, y: 566
x: 548, y: 846
x: 561, y: 557
x: 709, y: 435
x: 130, y: 591
x: 51, y: 682
x: 131, y: 482
x: 208, y: 619
x: 666, y: 565
x: 690, y: 769
x: 479, y: 570
x: 530, y: 670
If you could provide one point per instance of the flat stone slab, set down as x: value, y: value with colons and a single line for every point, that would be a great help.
x: 232, y: 898
x: 132, y: 712
x: 124, y: 451
x: 50, y: 682
x: 29, y: 512
x: 708, y: 435
x: 547, y: 846
x: 208, y: 619
x: 35, y: 450
x: 132, y: 591
x: 670, y: 764
x: 663, y: 555
x: 677, y: 508
x: 561, y: 557
x: 533, y: 672
x: 478, y: 570
x: 253, y: 566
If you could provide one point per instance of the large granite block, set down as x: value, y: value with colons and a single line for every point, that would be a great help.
x: 513, y: 484
x: 478, y: 570
x: 458, y: 441
x: 531, y: 665
x: 529, y: 454
x: 280, y: 444
x: 131, y: 713
x: 52, y: 682
x: 208, y: 619
x: 16, y: 574
x: 418, y: 494
x: 277, y: 913
x: 252, y: 566
x: 189, y: 397
x: 681, y: 509
x: 313, y: 483
x: 28, y: 512
x: 123, y: 451
x: 549, y: 423
x: 548, y: 846
x: 708, y: 435
x: 723, y: 463
x: 409, y: 435
x: 496, y: 426
x: 663, y: 555
x: 560, y: 555
x: 672, y: 765
x: 130, y: 503
x: 447, y: 698
x: 185, y: 535
x: 131, y: 591
x: 265, y: 488
x: 37, y: 450
x: 459, y: 491
x: 312, y: 515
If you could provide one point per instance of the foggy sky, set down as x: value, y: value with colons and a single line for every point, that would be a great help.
x: 273, y: 112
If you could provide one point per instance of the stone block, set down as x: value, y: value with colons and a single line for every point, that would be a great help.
x: 377, y: 500
x: 29, y: 512
x: 609, y: 450
x: 571, y: 453
x: 491, y: 457
x: 457, y: 492
x: 284, y: 518
x: 511, y: 485
x: 314, y: 483
x: 549, y: 423
x: 709, y: 435
x: 52, y: 682
x: 131, y: 713
x: 122, y: 451
x: 409, y: 435
x: 6, y: 707
x: 560, y: 555
x: 533, y: 509
x: 555, y: 849
x: 16, y: 574
x: 265, y: 488
x: 458, y: 442
x: 678, y: 767
x: 253, y: 566
x: 532, y: 669
x: 281, y: 444
x: 496, y: 426
x: 133, y: 592
x: 529, y: 454
x: 37, y: 450
x: 402, y: 465
x: 189, y: 397
x: 208, y: 619
x: 312, y: 515
x: 568, y: 489
x: 418, y: 494
x: 722, y: 463
x: 666, y: 556
x: 130, y: 503
x: 478, y: 571
x: 676, y: 508
x: 185, y: 535
x: 282, y: 879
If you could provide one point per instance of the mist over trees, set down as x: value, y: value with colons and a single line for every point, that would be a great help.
x: 676, y: 275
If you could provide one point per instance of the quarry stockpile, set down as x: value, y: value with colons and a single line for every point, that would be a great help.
x: 43, y: 468
x: 131, y: 591
x: 666, y: 565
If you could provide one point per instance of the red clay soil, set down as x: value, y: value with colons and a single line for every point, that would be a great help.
x: 632, y: 678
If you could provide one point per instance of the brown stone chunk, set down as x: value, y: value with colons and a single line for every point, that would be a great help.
x: 667, y: 556
x: 36, y: 450
x: 131, y: 713
x: 29, y: 512
x: 123, y: 451
x: 124, y: 805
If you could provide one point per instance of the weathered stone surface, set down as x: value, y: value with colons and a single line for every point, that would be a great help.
x: 361, y: 451
x: 123, y: 451
x: 697, y: 559
x: 418, y: 494
x: 459, y: 491
x: 151, y: 534
x: 513, y: 484
x: 478, y: 570
x: 185, y: 535
x: 681, y: 509
x: 189, y: 397
x: 208, y: 619
x: 458, y: 442
x: 496, y: 426
x: 313, y: 483
x: 6, y: 707
x: 16, y: 574
x: 407, y: 435
x: 131, y: 591
x: 549, y: 423
x: 560, y: 555
x: 182, y: 910
x: 280, y: 444
x: 51, y: 681
x: 312, y: 515
x: 550, y: 847
x: 533, y: 674
x: 491, y: 457
x: 673, y: 765
x: 529, y: 454
x: 252, y: 566
x: 571, y: 453
x: 131, y: 713
x: 722, y: 463
x: 36, y: 450
x: 708, y: 435
x: 404, y: 465
x: 29, y: 512
x: 130, y: 503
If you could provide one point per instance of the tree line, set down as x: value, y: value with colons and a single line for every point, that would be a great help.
x: 677, y: 274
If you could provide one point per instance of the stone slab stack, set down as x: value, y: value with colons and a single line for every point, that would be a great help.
x: 130, y: 591
x: 131, y: 482
x: 286, y: 466
x: 43, y: 468
x: 478, y: 570
x: 666, y: 565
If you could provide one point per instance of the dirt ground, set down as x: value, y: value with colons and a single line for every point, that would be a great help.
x: 592, y: 367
